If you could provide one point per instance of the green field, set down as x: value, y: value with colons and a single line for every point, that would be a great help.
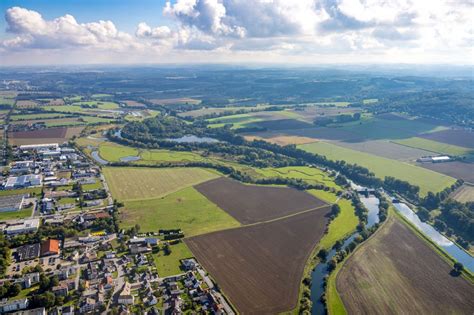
x: 378, y: 128
x: 113, y: 152
x: 343, y: 225
x: 65, y: 109
x: 427, y: 180
x: 24, y: 213
x: 238, y: 121
x: 99, y: 104
x: 35, y: 116
x: 130, y: 183
x: 169, y: 265
x: 157, y: 156
x: 434, y: 146
x: 96, y: 185
x: 186, y: 209
x: 36, y: 191
x: 309, y: 174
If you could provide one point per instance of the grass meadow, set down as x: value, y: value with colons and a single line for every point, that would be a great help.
x: 186, y: 209
x: 427, y: 180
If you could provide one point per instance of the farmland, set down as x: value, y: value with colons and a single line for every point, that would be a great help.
x: 251, y: 203
x: 50, y: 135
x: 397, y: 272
x: 427, y: 180
x: 386, y: 149
x: 435, y: 146
x: 129, y: 183
x: 282, y: 140
x: 259, y: 267
x: 186, y: 209
x: 456, y: 169
x: 465, y: 193
x: 462, y: 138
x: 310, y: 174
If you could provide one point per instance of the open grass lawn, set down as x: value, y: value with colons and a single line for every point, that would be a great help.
x: 158, y: 156
x: 344, y: 224
x: 309, y: 174
x: 427, y: 180
x: 94, y: 186
x: 186, y: 209
x: 112, y: 152
x: 435, y: 146
x: 34, y: 191
x: 129, y: 183
x: 168, y: 265
x: 23, y: 213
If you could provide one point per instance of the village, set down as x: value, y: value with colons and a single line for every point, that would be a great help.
x: 67, y: 255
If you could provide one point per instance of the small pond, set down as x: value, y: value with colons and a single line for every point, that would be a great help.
x: 130, y: 158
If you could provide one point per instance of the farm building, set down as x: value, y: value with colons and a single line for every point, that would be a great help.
x: 434, y: 159
x: 50, y: 247
x: 37, y: 147
x: 11, y: 203
x: 25, y: 226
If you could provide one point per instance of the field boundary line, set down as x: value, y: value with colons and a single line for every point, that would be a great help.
x: 262, y: 222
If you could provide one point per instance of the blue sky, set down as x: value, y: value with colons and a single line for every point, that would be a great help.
x: 236, y: 31
x: 126, y: 14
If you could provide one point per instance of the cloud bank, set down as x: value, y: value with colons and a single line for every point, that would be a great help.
x: 306, y: 31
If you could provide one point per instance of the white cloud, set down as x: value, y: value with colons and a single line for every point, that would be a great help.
x: 32, y: 31
x: 269, y: 30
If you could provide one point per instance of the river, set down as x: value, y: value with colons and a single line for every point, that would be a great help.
x: 450, y: 247
x: 321, y: 270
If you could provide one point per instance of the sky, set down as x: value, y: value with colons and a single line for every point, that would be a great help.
x: 312, y: 32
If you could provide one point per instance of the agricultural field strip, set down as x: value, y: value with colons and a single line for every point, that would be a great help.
x: 262, y: 258
x: 426, y: 179
x: 375, y: 300
x: 434, y: 146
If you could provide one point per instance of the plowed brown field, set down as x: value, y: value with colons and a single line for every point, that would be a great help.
x: 396, y: 272
x: 259, y: 267
x: 252, y: 203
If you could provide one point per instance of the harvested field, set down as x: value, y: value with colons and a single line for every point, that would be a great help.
x: 282, y: 124
x: 252, y: 203
x: 26, y: 104
x: 461, y: 138
x: 456, y: 169
x: 385, y: 149
x: 49, y: 135
x: 138, y: 183
x: 259, y: 267
x: 396, y: 272
x: 43, y: 133
x: 465, y: 193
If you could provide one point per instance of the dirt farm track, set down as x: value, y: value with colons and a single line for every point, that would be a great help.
x: 396, y: 272
x: 259, y: 267
x: 251, y: 203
